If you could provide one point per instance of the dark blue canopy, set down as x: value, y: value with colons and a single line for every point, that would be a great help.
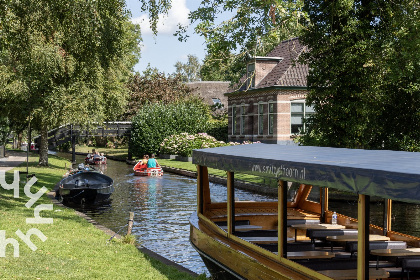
x: 387, y: 174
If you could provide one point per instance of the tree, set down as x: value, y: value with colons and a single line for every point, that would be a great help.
x: 223, y: 67
x: 253, y: 28
x: 155, y: 122
x: 363, y: 83
x: 64, y: 62
x: 4, y: 131
x: 152, y: 87
x: 189, y: 71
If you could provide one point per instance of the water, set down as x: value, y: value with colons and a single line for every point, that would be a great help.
x: 162, y: 207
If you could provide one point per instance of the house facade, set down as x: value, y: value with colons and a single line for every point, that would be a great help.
x: 270, y: 105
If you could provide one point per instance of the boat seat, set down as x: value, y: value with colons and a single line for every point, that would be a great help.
x: 257, y: 233
x: 409, y: 264
x: 323, y: 233
x: 351, y: 246
x: 291, y: 247
x: 326, y: 264
x: 399, y: 273
x: 237, y: 223
x: 292, y: 222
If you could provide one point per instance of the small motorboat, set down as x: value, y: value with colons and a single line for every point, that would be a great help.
x: 85, y: 187
x: 95, y: 160
x: 81, y: 168
x: 141, y: 169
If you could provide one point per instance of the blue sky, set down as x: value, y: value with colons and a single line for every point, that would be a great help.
x: 164, y: 50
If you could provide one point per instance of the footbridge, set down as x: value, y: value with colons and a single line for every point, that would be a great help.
x: 69, y: 133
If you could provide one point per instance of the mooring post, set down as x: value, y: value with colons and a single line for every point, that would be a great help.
x: 130, y: 223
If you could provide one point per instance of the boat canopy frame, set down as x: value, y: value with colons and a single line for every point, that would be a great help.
x: 388, y: 174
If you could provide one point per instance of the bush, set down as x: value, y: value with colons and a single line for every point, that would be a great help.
x: 183, y: 144
x: 219, y: 130
x: 155, y: 122
x: 65, y: 147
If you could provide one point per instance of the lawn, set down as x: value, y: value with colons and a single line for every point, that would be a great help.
x: 74, y: 248
x: 121, y: 152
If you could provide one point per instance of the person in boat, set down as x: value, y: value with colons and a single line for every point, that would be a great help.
x: 145, y: 159
x: 96, y: 155
x: 88, y: 155
x: 152, y: 162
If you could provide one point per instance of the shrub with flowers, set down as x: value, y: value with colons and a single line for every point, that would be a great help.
x: 183, y: 144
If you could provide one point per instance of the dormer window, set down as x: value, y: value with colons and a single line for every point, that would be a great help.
x: 250, y: 75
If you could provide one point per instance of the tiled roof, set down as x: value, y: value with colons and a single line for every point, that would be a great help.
x: 288, y: 72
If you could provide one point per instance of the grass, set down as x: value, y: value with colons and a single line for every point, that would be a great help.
x: 74, y: 248
x: 121, y: 152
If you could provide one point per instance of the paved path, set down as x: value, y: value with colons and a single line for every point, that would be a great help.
x: 12, y: 160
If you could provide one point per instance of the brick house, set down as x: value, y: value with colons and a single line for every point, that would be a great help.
x: 269, y: 105
x: 212, y: 92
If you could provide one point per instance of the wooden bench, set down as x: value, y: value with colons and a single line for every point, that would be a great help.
x: 323, y: 233
x: 243, y: 227
x: 291, y: 247
x: 306, y: 255
x: 237, y: 223
x: 352, y: 273
x: 351, y: 246
x: 264, y: 239
x: 410, y: 264
x: 291, y: 222
x: 257, y: 233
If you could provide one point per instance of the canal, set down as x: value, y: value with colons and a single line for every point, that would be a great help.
x: 163, y: 205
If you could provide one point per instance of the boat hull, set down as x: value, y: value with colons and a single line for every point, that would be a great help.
x: 95, y: 161
x: 85, y: 187
x: 229, y: 260
x: 149, y: 172
x: 141, y: 170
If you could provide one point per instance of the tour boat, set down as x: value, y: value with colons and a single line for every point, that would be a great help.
x: 294, y: 236
x: 85, y: 187
x: 141, y: 169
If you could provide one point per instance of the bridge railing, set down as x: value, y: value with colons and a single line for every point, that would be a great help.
x: 64, y: 133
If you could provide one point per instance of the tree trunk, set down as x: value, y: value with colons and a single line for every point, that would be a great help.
x: 43, y: 147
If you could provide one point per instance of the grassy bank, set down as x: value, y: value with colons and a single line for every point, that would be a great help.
x: 74, y: 248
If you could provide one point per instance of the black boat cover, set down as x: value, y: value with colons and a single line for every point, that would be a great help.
x: 388, y: 174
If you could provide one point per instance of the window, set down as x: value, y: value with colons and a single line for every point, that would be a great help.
x: 243, y: 116
x: 271, y: 118
x: 233, y: 120
x: 250, y: 74
x: 260, y: 119
x: 299, y: 112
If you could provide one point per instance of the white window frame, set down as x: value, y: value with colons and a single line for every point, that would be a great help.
x: 305, y: 113
x: 233, y: 119
x: 242, y: 119
x: 260, y: 118
x: 271, y: 109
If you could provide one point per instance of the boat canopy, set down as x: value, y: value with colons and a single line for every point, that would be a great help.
x: 387, y: 174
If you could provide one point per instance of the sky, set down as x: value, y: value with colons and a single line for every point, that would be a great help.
x: 164, y: 50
